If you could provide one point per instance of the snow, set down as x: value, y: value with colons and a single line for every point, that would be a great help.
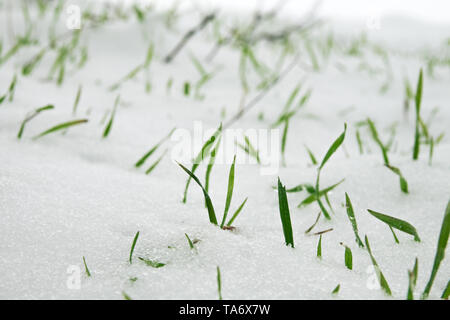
x: 63, y: 197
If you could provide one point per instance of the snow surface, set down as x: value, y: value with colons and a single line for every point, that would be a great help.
x: 63, y: 197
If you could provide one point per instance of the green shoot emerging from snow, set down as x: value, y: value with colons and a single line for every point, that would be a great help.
x: 60, y: 127
x: 351, y: 217
x: 383, y: 283
x: 111, y: 119
x: 336, y: 144
x: 285, y: 215
x: 412, y: 277
x: 418, y: 100
x: 130, y: 259
x: 31, y: 116
x: 219, y: 283
x: 396, y: 223
x: 86, y: 269
x: 440, y: 250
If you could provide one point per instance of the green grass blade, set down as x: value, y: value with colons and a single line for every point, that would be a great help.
x: 319, y: 247
x: 153, y: 166
x: 351, y: 217
x: 152, y: 263
x: 229, y: 192
x: 285, y: 215
x: 28, y: 118
x: 336, y: 290
x: 396, y: 223
x: 219, y: 283
x: 126, y: 296
x: 313, y: 196
x: 412, y: 277
x: 348, y: 257
x: 311, y: 156
x: 191, y: 245
x: 383, y: 283
x: 77, y: 100
x: 440, y: 250
x: 403, y: 182
x: 394, y: 235
x: 209, y: 205
x: 111, y: 119
x: 141, y: 161
x: 236, y: 213
x: 376, y: 138
x: 446, y: 292
x: 336, y: 144
x: 418, y: 100
x: 86, y: 269
x: 212, y: 160
x: 203, y: 154
x: 60, y: 127
x: 132, y: 247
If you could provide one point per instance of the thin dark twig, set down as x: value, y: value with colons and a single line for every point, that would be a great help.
x: 261, y: 95
x: 208, y: 18
x: 322, y: 232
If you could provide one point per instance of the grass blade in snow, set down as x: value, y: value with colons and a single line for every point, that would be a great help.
x: 151, y: 263
x: 375, y: 137
x: 236, y: 213
x: 396, y: 223
x: 285, y: 215
x: 204, y: 152
x: 209, y: 205
x: 28, y: 118
x: 219, y: 283
x: 446, y: 292
x: 348, y: 257
x: 132, y: 247
x: 86, y: 269
x: 191, y: 245
x: 141, y: 161
x: 383, y: 283
x: 440, y: 251
x: 311, y: 156
x: 319, y: 247
x: 149, y: 170
x: 412, y: 277
x: 403, y: 182
x: 313, y: 197
x: 351, y: 217
x: 212, y: 160
x: 336, y: 144
x: 111, y: 119
x: 77, y: 100
x: 418, y: 100
x: 229, y: 192
x: 336, y: 290
x: 60, y: 127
